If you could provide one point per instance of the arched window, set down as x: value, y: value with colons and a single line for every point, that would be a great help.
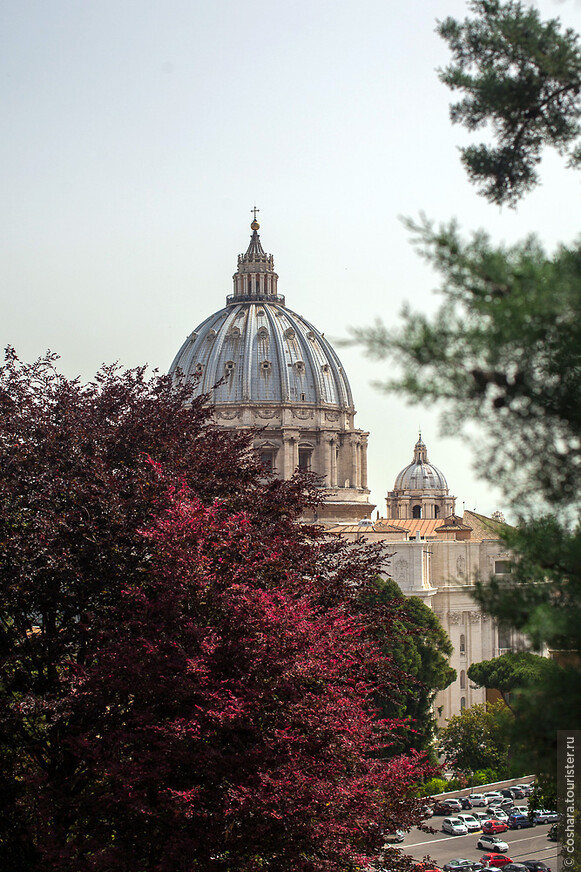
x: 462, y: 679
x: 417, y: 512
x: 462, y: 644
x: 436, y: 511
x: 462, y: 703
x: 305, y: 455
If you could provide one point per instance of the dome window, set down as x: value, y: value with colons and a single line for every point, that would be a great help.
x: 263, y: 332
x: 260, y: 313
x: 193, y: 335
x: 266, y: 365
x: 229, y: 366
x: 417, y: 512
x: 211, y: 334
x: 299, y: 366
x: 199, y: 368
x: 234, y: 333
x: 311, y: 335
x: 325, y: 367
x: 290, y: 333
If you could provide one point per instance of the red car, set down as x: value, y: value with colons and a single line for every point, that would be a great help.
x: 492, y: 828
x: 495, y: 860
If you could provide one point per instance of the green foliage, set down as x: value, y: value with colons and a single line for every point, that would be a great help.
x: 521, y: 77
x: 485, y: 776
x: 511, y: 672
x: 434, y: 786
x: 476, y: 739
x: 503, y: 350
x: 417, y: 642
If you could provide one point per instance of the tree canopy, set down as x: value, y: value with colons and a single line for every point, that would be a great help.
x: 188, y: 678
x: 418, y: 643
x: 503, y: 351
x: 477, y: 739
x: 520, y: 77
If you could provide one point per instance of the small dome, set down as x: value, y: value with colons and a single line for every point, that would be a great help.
x: 420, y: 474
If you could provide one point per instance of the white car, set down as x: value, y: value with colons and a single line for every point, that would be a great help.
x: 478, y: 799
x: 481, y: 816
x: 493, y: 794
x: 498, y: 814
x: 492, y: 844
x: 454, y: 826
x: 472, y: 823
x: 543, y: 816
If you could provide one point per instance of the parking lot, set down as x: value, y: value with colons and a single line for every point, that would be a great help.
x: 529, y: 844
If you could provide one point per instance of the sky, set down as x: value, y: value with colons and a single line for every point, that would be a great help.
x: 138, y: 135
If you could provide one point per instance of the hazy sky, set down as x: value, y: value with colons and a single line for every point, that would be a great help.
x: 138, y: 134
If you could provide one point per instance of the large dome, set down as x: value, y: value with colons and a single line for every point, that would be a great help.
x: 267, y: 368
x: 420, y: 474
x: 265, y: 353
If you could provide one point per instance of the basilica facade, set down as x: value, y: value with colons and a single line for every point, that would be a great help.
x: 266, y: 367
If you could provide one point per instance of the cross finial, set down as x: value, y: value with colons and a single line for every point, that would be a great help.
x: 255, y: 210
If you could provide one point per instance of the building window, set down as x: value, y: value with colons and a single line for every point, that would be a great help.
x: 305, y: 455
x: 502, y: 567
x: 462, y: 644
x: 504, y: 640
x: 436, y: 511
x: 417, y: 512
x: 266, y: 457
x: 462, y: 679
x: 462, y: 703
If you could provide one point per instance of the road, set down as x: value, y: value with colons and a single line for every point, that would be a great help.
x: 529, y: 844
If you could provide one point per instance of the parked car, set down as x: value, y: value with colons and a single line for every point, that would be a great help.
x: 536, y: 866
x: 493, y: 794
x: 519, y: 821
x: 454, y: 826
x: 492, y: 827
x: 427, y: 811
x: 491, y: 843
x: 526, y: 789
x: 472, y: 824
x: 396, y: 836
x: 498, y: 814
x: 499, y: 860
x: 465, y: 801
x: 507, y: 792
x: 542, y: 816
x: 459, y: 864
x: 478, y: 799
x: 447, y: 806
x: 515, y: 867
x: 521, y: 809
x: 481, y: 816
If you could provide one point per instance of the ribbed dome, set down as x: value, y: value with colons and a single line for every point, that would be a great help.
x: 265, y: 353
x: 420, y: 474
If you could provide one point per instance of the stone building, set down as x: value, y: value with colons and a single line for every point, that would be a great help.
x: 265, y: 366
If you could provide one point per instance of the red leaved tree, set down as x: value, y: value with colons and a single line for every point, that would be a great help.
x: 186, y: 674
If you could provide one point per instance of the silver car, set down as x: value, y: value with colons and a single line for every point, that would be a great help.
x: 454, y: 826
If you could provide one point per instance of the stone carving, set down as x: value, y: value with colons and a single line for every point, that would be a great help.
x: 475, y: 617
x: 228, y: 414
x: 454, y: 617
x: 304, y: 414
x: 461, y: 565
x: 266, y: 413
x: 401, y: 571
x: 331, y: 416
